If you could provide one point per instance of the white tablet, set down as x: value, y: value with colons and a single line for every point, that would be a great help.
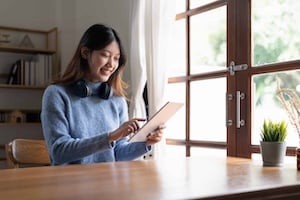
x: 160, y: 117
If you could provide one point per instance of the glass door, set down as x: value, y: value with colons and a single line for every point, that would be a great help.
x: 224, y: 109
x: 198, y: 77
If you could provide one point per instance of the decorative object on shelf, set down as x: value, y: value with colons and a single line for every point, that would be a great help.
x: 290, y: 102
x: 272, y: 144
x: 4, y: 38
x: 26, y: 42
x: 17, y: 116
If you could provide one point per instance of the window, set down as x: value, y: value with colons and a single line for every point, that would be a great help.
x: 209, y: 37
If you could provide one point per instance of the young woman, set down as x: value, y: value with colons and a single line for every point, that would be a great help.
x: 84, y: 113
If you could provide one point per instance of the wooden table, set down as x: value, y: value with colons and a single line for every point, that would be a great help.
x: 186, y: 178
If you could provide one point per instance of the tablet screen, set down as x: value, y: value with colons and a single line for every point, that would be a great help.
x: 160, y: 117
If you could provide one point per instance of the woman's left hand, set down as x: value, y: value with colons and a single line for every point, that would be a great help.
x: 155, y: 136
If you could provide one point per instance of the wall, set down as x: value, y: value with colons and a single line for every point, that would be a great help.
x: 28, y: 13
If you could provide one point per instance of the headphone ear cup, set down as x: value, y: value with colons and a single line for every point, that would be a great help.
x: 105, y: 91
x: 81, y: 89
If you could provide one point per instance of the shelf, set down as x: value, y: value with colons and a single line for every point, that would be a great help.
x: 19, y: 124
x: 28, y: 63
x: 25, y: 41
x: 27, y: 29
x: 25, y: 50
x: 22, y: 87
x: 25, y: 110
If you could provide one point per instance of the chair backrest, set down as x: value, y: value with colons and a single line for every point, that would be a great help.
x: 27, y: 153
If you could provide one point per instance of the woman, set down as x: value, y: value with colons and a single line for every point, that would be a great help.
x: 84, y: 114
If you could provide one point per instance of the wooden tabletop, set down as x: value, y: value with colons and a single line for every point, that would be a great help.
x: 186, y: 178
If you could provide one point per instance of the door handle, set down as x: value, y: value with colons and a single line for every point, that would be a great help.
x: 239, y: 96
x: 229, y: 97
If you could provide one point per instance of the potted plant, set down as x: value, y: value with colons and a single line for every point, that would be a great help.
x: 272, y: 144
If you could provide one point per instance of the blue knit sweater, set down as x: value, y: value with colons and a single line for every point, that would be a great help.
x: 77, y: 129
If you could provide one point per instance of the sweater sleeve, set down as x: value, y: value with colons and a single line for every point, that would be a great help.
x: 124, y: 150
x: 62, y: 147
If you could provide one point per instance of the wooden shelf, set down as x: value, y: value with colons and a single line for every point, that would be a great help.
x: 22, y: 87
x: 35, y: 56
x: 25, y: 50
x: 27, y: 29
x: 19, y: 124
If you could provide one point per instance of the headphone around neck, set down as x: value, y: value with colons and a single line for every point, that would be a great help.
x: 81, y: 89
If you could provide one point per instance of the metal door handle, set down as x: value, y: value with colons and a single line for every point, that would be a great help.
x: 239, y: 96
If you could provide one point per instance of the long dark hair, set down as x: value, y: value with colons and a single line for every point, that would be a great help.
x: 96, y: 37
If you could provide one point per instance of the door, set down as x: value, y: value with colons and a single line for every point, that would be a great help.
x: 224, y: 108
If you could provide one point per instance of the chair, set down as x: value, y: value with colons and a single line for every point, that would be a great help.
x: 27, y: 153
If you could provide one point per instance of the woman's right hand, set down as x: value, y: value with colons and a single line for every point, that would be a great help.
x: 125, y: 129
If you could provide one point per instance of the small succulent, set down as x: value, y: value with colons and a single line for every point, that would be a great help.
x: 273, y: 131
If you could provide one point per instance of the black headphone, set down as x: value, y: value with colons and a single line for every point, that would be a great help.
x: 82, y: 90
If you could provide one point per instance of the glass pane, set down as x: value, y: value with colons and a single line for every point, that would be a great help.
x: 178, y: 60
x: 197, y: 3
x: 176, y: 125
x: 267, y: 106
x: 208, y: 110
x: 208, y: 41
x: 174, y: 151
x: 204, y: 152
x: 275, y: 31
x: 180, y: 6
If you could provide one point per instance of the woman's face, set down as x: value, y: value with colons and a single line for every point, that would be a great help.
x: 102, y: 63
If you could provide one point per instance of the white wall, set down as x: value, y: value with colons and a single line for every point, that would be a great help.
x: 76, y: 18
x: 35, y: 14
x: 71, y: 17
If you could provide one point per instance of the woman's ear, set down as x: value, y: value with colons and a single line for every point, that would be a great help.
x: 84, y: 52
